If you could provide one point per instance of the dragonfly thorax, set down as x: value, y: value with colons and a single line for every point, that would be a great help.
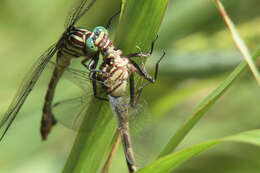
x: 116, y: 76
x: 75, y: 43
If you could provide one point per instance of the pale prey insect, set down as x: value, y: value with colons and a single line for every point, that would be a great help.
x: 114, y: 73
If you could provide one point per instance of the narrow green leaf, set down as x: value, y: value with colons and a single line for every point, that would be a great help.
x: 94, y: 139
x: 139, y: 23
x: 170, y: 162
x: 239, y: 41
x: 203, y: 107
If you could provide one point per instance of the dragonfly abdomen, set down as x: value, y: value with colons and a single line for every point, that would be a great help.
x: 48, y: 119
x: 126, y: 141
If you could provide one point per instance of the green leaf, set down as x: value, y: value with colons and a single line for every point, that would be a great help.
x: 171, y: 161
x: 203, y: 107
x: 139, y: 23
x: 239, y: 41
x: 93, y: 139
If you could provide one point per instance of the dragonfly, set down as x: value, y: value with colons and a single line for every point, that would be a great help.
x: 119, y: 70
x: 113, y: 74
x: 72, y: 44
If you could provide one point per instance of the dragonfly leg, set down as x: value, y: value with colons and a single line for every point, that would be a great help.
x: 138, y: 54
x: 157, y: 65
x: 91, y: 66
x: 132, y: 91
x: 112, y: 17
x: 142, y: 71
x: 134, y: 97
x: 48, y: 119
x: 141, y: 54
x: 92, y: 75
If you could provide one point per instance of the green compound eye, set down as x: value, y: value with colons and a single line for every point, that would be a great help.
x: 91, y: 46
x: 100, y: 29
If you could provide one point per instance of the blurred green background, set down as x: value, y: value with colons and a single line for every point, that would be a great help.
x: 200, y: 54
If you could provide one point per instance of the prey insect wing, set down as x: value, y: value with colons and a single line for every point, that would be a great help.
x: 81, y: 79
x: 71, y: 112
x: 25, y: 88
x: 133, y: 124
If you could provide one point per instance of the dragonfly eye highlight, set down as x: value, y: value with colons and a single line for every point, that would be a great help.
x: 100, y: 29
x: 91, y: 45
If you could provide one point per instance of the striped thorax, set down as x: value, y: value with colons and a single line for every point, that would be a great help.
x: 75, y: 45
x: 118, y: 69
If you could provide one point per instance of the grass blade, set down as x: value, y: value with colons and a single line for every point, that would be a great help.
x: 203, y: 107
x: 140, y: 24
x: 91, y: 144
x: 170, y: 162
x: 239, y: 41
x: 90, y: 148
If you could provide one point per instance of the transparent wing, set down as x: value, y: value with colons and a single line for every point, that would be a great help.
x: 140, y: 120
x: 71, y: 112
x: 141, y: 135
x: 79, y: 8
x: 25, y: 88
x: 78, y: 77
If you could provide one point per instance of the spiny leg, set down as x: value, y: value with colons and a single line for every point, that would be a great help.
x: 92, y: 76
x: 155, y: 73
x: 112, y: 17
x: 91, y: 66
x: 48, y: 119
x: 142, y: 71
x: 132, y: 91
x: 141, y: 54
x: 157, y: 65
x: 134, y: 97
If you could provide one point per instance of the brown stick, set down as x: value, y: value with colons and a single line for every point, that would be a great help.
x: 111, y: 155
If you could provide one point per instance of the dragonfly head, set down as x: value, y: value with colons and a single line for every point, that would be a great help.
x: 96, y: 36
x: 99, y: 29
